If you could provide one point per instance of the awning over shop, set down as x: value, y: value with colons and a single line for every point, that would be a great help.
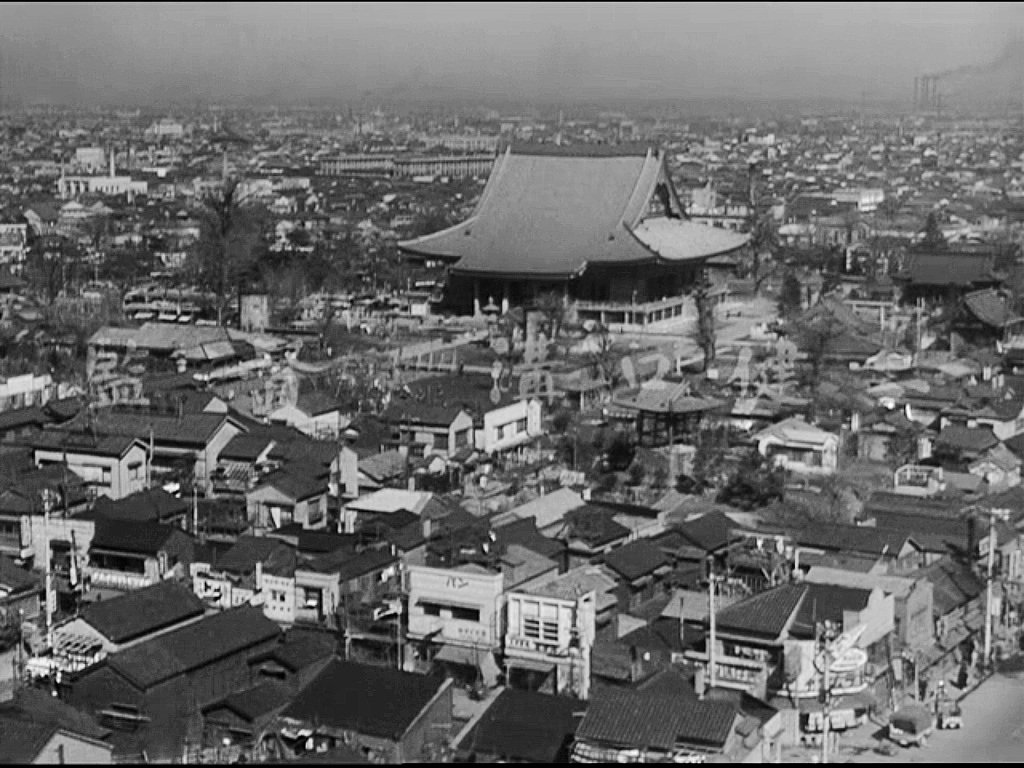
x: 478, y: 658
x: 532, y: 665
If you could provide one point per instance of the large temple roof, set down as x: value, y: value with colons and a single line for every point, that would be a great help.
x: 549, y: 211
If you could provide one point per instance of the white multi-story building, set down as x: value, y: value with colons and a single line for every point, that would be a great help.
x: 25, y: 390
x: 462, y: 610
x: 550, y: 631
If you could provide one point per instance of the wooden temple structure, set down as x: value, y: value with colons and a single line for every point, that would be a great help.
x: 600, y: 224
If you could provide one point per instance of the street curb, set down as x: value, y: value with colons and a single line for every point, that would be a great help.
x: 974, y: 686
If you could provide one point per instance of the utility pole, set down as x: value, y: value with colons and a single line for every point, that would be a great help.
x: 992, y: 515
x: 48, y: 578
x: 712, y: 635
x: 826, y: 634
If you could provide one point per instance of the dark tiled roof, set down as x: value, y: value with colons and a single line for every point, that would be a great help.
x: 526, y: 726
x: 16, y: 578
x: 948, y: 269
x: 636, y: 559
x: 191, y: 429
x: 254, y: 703
x: 954, y: 585
x: 79, y: 442
x: 593, y: 526
x: 294, y: 484
x: 850, y: 538
x: 524, y: 533
x: 152, y: 505
x: 826, y: 602
x: 349, y: 565
x: 972, y: 439
x: 767, y: 613
x: 300, y: 649
x: 249, y: 550
x: 370, y: 700
x: 882, y: 503
x: 130, y: 536
x: 23, y: 739
x: 710, y: 532
x: 246, y: 447
x: 39, y: 706
x: 194, y: 646
x: 143, y: 612
x: 414, y: 412
x: 23, y: 417
x: 645, y: 720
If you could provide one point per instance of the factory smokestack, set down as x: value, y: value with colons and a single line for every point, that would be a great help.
x: 917, y: 87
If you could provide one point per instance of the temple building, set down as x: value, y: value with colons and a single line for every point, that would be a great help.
x: 600, y: 224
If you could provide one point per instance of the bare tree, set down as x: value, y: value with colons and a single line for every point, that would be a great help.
x: 551, y: 304
x: 817, y: 339
x: 230, y: 233
x: 705, y: 332
x: 52, y: 266
x: 604, y: 357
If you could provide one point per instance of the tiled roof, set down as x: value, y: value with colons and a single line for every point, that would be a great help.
x: 152, y: 505
x: 194, y: 646
x: 526, y: 726
x: 952, y: 268
x: 190, y: 429
x: 130, y: 536
x: 256, y: 702
x: 143, y: 612
x: 710, y: 531
x: 973, y: 439
x: 552, y: 214
x: 766, y: 614
x: 246, y: 447
x: 954, y: 585
x: 636, y: 559
x: 15, y: 578
x: 383, y: 466
x: 860, y: 539
x: 23, y: 417
x: 643, y: 720
x: 249, y: 550
x: 300, y: 650
x: 826, y: 602
x: 293, y: 483
x: 89, y: 444
x: 22, y: 739
x: 370, y: 700
x: 991, y: 306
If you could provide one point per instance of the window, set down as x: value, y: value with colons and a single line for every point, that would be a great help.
x: 465, y: 614
x: 135, y: 470
x: 430, y: 609
x: 521, y: 426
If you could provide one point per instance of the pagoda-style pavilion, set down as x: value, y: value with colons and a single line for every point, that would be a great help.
x: 602, y: 225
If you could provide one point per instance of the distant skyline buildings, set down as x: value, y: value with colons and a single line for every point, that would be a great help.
x: 288, y: 53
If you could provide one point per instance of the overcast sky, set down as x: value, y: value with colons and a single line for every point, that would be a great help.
x: 301, y: 51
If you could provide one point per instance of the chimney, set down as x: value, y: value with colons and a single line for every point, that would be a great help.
x: 259, y: 575
x: 113, y: 161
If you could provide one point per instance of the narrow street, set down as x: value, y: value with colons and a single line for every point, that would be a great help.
x: 993, y: 730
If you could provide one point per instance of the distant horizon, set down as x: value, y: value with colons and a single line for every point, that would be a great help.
x: 557, y: 53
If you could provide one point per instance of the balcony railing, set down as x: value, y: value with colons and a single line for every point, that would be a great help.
x: 119, y: 580
x: 518, y: 643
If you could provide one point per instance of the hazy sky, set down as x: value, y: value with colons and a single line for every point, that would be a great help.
x: 301, y: 51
